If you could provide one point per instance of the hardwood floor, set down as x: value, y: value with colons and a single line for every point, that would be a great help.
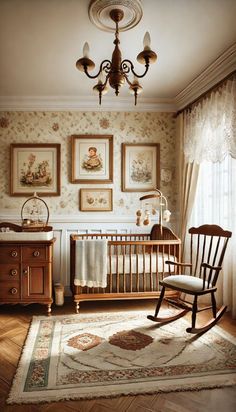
x: 14, y: 324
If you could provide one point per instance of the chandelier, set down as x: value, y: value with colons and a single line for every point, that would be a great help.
x: 116, y: 72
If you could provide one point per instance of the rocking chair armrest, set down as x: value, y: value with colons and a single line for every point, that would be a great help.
x: 170, y: 262
x: 207, y: 266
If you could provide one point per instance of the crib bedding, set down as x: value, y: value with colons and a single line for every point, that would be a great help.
x: 139, y: 263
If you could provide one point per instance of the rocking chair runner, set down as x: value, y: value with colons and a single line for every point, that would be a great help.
x: 207, y: 249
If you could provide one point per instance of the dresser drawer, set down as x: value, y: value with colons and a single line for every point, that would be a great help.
x: 9, y: 271
x: 9, y: 254
x: 9, y: 291
x: 34, y: 253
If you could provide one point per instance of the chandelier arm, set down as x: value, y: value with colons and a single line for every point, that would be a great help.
x: 126, y: 65
x: 107, y: 68
x: 127, y: 62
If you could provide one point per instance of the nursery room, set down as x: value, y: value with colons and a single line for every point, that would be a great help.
x: 117, y: 205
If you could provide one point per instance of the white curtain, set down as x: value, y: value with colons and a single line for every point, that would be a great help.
x: 210, y: 132
x: 187, y: 177
x: 215, y: 203
x: 210, y: 141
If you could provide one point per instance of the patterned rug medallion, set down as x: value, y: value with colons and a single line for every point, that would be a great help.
x: 107, y: 355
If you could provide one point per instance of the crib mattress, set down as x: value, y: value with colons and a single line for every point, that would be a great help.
x: 139, y: 263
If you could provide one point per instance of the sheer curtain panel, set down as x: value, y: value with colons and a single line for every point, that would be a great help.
x: 209, y: 142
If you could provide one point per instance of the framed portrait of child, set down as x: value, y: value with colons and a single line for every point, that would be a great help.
x: 92, y: 158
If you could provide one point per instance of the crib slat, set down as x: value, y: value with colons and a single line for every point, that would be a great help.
x: 144, y: 269
x: 151, y: 274
x: 110, y: 270
x: 117, y: 269
x: 124, y: 274
x: 157, y: 267
x: 137, y: 271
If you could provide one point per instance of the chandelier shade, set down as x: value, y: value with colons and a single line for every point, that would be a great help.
x: 117, y: 71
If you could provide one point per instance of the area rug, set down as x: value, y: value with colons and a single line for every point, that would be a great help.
x: 114, y: 354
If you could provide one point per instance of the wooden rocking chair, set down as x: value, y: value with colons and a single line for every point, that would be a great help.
x: 207, y: 249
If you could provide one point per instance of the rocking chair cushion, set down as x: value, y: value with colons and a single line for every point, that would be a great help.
x: 186, y: 282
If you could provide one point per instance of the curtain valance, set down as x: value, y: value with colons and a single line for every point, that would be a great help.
x: 210, y: 126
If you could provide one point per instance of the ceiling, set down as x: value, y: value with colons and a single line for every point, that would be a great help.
x: 40, y: 41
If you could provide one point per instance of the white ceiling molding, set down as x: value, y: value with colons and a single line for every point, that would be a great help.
x: 78, y: 103
x: 217, y: 71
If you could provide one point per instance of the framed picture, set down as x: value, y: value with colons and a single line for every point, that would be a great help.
x: 140, y: 167
x: 92, y: 159
x: 96, y: 200
x: 35, y: 168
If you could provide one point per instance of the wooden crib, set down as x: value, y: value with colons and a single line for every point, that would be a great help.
x: 135, y: 265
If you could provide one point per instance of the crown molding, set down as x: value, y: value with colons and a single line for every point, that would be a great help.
x: 217, y: 71
x: 84, y: 104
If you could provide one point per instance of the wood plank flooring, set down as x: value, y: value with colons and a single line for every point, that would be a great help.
x: 14, y: 324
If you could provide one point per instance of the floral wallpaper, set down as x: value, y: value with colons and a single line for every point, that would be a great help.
x: 57, y: 127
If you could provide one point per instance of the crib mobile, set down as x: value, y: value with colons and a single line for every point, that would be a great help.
x: 151, y: 204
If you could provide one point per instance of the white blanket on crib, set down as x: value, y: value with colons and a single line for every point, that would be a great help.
x: 91, y: 263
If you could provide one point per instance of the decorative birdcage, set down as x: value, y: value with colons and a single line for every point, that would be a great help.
x: 34, y: 214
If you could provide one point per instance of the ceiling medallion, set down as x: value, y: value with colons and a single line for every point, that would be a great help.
x: 99, y: 13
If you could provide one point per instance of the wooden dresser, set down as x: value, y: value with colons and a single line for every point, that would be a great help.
x: 26, y: 272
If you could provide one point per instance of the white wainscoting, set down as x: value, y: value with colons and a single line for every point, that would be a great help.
x: 64, y: 226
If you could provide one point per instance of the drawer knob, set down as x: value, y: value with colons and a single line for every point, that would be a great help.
x: 25, y: 271
x: 13, y: 291
x: 13, y: 272
x: 36, y: 253
x: 14, y: 253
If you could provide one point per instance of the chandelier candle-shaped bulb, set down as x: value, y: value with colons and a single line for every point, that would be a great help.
x: 85, y: 64
x: 86, y: 50
x: 147, y: 41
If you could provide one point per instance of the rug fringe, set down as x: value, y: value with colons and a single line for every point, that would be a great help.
x: 59, y: 398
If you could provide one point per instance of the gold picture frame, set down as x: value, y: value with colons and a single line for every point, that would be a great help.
x: 34, y: 168
x: 92, y: 158
x: 96, y: 200
x: 140, y: 167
